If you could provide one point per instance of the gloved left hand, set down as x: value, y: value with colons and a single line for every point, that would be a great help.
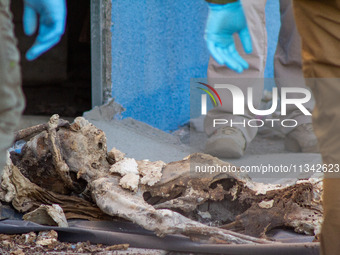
x: 223, y: 22
x: 52, y: 19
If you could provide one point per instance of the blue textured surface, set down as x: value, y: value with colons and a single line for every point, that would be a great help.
x: 273, y: 27
x: 157, y: 47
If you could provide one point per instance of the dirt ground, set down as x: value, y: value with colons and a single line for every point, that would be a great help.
x: 46, y: 242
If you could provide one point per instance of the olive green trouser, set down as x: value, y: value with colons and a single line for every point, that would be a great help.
x: 287, y: 67
x: 11, y: 96
x: 318, y: 23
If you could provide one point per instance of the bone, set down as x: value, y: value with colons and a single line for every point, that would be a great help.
x: 70, y: 166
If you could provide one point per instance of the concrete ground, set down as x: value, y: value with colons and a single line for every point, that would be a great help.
x: 267, y: 149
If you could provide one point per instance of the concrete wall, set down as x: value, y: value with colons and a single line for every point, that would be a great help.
x: 157, y: 46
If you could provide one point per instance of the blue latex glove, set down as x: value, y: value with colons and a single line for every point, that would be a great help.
x: 52, y: 19
x: 223, y: 21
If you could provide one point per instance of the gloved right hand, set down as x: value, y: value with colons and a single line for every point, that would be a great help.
x: 223, y: 21
x: 52, y: 19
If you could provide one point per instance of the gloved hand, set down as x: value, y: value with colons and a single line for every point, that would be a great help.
x: 223, y: 21
x: 52, y: 19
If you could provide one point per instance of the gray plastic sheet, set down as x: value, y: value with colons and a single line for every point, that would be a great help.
x: 118, y: 232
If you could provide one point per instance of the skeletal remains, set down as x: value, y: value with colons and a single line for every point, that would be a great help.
x: 68, y: 164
